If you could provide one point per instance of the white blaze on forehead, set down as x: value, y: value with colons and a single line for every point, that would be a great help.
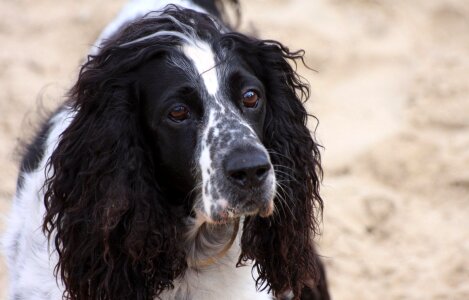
x: 204, y: 61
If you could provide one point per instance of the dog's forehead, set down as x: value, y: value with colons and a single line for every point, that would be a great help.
x: 221, y: 114
x: 203, y: 59
x: 209, y: 72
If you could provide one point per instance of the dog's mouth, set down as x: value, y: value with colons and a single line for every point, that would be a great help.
x: 224, y: 212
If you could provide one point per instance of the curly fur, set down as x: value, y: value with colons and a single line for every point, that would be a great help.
x: 109, y: 216
x: 273, y: 242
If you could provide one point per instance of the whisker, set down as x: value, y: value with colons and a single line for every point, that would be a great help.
x: 283, y: 199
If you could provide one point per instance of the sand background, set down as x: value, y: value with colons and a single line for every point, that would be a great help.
x: 391, y: 93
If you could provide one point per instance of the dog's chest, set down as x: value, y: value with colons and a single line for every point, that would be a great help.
x: 220, y: 281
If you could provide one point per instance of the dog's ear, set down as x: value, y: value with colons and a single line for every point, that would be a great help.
x: 282, y: 244
x: 114, y: 236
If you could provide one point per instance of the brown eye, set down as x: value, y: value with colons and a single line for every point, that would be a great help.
x: 179, y: 113
x: 250, y: 99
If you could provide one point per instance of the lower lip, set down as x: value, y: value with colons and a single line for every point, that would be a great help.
x: 263, y: 211
x: 227, y: 214
x: 267, y: 209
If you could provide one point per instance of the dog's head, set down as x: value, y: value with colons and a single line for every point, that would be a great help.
x: 176, y: 111
x: 204, y: 109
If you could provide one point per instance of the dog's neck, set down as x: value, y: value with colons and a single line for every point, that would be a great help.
x: 212, y: 253
x: 206, y: 243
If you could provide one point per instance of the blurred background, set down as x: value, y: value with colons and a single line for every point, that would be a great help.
x: 391, y: 91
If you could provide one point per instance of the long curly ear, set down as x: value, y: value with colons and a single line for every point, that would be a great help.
x: 282, y: 245
x: 114, y: 236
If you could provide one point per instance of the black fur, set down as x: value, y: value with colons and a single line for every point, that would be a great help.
x: 33, y: 153
x: 273, y: 242
x: 115, y: 223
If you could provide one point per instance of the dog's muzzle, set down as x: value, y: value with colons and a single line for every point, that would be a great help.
x: 249, y: 181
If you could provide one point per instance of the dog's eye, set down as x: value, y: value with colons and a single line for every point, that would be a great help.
x: 250, y: 99
x: 179, y: 113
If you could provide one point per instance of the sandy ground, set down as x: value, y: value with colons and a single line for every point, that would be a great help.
x: 391, y: 93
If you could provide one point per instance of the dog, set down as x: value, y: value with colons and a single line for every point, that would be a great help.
x: 180, y: 167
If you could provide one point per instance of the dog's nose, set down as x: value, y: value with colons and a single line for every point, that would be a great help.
x: 247, y: 168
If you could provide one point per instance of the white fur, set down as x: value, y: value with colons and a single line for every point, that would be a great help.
x: 133, y: 10
x: 186, y: 32
x: 203, y: 58
x: 206, y: 166
x: 218, y: 281
x: 30, y: 260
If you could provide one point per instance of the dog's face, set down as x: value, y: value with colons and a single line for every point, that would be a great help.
x: 205, y: 114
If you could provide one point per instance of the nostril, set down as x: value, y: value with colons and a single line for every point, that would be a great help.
x: 247, y: 168
x: 239, y: 176
x: 261, y: 172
